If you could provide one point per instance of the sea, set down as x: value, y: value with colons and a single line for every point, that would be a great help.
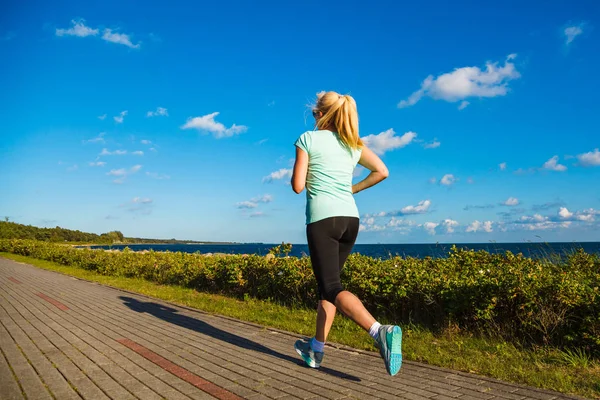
x: 436, y: 250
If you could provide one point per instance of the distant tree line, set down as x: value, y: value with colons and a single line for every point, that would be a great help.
x: 13, y: 230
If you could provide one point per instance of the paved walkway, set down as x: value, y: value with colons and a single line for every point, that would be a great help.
x: 65, y: 338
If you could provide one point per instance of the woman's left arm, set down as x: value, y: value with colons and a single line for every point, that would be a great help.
x: 300, y: 170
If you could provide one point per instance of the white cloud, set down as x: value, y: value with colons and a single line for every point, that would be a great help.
x: 142, y: 205
x: 553, y: 165
x: 102, y: 117
x: 265, y: 198
x: 585, y: 217
x: 590, y: 159
x: 487, y: 226
x: 397, y: 222
x: 511, y: 201
x: 119, y: 38
x: 420, y: 208
x: 387, y: 140
x: 81, y: 30
x: 563, y: 219
x: 117, y: 172
x: 122, y: 173
x: 466, y: 82
x: 432, y: 145
x: 369, y: 225
x: 277, y: 175
x: 207, y: 123
x: 480, y: 226
x: 97, y: 164
x: 430, y: 227
x: 371, y: 228
x: 448, y: 180
x: 470, y: 181
x: 463, y: 105
x: 375, y: 215
x: 119, y: 118
x: 253, y: 203
x: 450, y: 224
x: 539, y: 226
x: 502, y: 166
x: 572, y: 32
x: 257, y: 214
x: 138, y: 153
x: 160, y: 111
x: 145, y: 141
x: 72, y: 168
x: 97, y: 139
x: 158, y: 176
x: 246, y: 204
x: 432, y: 180
x: 400, y: 225
x: 105, y: 152
x: 565, y: 213
x: 536, y: 218
x: 78, y: 29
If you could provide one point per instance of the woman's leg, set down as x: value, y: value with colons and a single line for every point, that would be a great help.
x: 353, y: 308
x: 325, y: 316
x: 323, y: 244
x: 347, y: 302
x: 330, y: 242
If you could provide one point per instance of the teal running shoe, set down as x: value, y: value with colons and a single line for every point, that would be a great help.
x: 390, y: 347
x: 312, y: 358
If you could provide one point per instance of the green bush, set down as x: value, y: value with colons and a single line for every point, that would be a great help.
x: 552, y: 301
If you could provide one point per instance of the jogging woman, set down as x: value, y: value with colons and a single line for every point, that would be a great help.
x: 325, y: 161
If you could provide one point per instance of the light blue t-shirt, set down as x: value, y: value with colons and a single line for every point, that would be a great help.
x: 329, y: 178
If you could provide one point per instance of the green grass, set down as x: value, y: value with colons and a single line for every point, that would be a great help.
x: 571, y: 371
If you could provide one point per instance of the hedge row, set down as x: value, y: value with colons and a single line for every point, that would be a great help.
x: 551, y: 301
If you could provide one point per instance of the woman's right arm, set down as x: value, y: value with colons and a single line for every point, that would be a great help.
x: 373, y: 163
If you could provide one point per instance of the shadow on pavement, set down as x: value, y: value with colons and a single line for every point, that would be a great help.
x: 171, y: 316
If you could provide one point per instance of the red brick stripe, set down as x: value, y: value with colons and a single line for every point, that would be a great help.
x: 202, y: 384
x: 14, y: 280
x: 50, y: 300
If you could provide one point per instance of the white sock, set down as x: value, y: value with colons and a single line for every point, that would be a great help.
x: 316, y: 345
x: 374, y: 330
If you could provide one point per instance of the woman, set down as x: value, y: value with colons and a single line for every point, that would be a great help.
x: 325, y: 161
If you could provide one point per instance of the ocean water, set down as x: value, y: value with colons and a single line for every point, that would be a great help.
x: 376, y: 250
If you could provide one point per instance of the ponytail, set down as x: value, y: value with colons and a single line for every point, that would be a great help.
x: 339, y: 112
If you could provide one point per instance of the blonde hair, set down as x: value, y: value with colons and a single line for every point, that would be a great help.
x: 339, y: 112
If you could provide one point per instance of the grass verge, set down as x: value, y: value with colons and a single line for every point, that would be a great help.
x: 567, y: 372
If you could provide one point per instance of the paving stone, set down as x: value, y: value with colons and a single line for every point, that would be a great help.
x: 246, y: 360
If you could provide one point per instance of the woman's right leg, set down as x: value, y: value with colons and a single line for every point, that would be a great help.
x: 353, y: 308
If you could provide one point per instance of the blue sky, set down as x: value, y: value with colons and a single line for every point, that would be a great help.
x: 178, y: 119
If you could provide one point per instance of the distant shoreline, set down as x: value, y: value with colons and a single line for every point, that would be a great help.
x: 157, y: 244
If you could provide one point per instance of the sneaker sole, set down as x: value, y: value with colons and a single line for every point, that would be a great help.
x: 396, y: 350
x: 310, y: 362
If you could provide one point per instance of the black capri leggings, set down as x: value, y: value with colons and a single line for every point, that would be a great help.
x: 330, y: 242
